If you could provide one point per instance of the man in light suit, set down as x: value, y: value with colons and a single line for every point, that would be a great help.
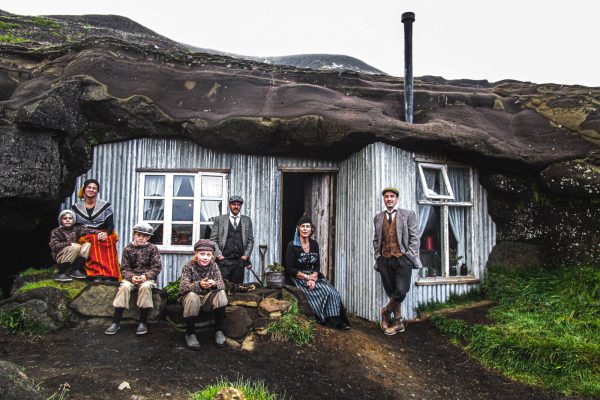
x: 233, y: 235
x: 396, y: 246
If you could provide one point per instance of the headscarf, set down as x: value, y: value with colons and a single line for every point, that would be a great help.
x: 65, y: 212
x: 303, y: 220
x: 87, y: 182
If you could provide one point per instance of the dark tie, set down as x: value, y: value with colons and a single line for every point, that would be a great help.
x: 390, y: 214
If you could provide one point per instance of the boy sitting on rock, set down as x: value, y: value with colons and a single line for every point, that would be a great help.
x: 201, y: 288
x: 140, y: 265
x: 69, y: 255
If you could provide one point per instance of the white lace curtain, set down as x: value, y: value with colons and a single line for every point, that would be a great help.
x: 425, y: 209
x: 459, y: 181
x: 154, y: 185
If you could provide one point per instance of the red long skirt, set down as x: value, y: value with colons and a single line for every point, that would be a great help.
x: 103, y: 260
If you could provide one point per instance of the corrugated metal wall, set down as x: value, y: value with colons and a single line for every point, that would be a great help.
x: 360, y: 181
x: 258, y: 180
x: 255, y: 178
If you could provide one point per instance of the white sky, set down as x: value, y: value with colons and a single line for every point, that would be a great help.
x: 538, y: 41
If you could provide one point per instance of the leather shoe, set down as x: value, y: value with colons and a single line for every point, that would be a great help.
x: 112, y: 329
x: 343, y: 326
x: 142, y: 329
x: 77, y: 274
x: 62, y: 278
x: 219, y: 339
x: 192, y: 342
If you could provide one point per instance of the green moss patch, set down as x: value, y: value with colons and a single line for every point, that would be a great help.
x: 71, y: 289
x: 11, y: 39
x: 545, y: 328
x: 35, y: 272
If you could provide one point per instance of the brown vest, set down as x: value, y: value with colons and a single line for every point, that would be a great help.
x: 390, y: 246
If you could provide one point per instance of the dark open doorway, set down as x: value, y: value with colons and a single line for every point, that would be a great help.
x: 313, y: 194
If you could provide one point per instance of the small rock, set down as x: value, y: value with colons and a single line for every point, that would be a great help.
x: 248, y: 343
x: 229, y: 393
x: 124, y: 385
x: 238, y: 323
x: 232, y: 343
x: 273, y: 308
x: 245, y: 299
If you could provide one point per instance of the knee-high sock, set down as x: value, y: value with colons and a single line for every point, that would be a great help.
x: 190, y: 325
x: 219, y: 318
x: 118, y: 314
x: 144, y: 315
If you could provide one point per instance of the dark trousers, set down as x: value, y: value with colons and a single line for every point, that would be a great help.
x: 232, y: 269
x: 396, y: 273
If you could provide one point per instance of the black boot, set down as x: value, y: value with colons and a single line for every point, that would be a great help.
x: 219, y: 319
x: 190, y: 334
x: 114, y: 327
x: 61, y: 275
x: 77, y: 267
x: 142, y: 327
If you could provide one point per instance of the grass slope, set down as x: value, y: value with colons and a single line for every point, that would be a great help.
x: 546, y: 328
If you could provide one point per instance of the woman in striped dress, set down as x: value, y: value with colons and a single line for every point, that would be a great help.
x: 304, y: 268
x: 92, y: 212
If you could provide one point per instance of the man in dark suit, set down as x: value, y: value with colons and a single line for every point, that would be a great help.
x: 233, y: 235
x: 396, y: 246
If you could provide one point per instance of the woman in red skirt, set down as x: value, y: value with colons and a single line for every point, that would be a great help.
x: 103, y: 263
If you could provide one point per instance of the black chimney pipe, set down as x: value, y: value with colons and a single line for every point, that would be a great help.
x: 407, y: 19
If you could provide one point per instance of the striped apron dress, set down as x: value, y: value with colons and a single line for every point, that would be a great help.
x: 323, y: 299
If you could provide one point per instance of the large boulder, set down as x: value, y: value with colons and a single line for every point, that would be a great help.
x: 515, y: 255
x: 16, y: 385
x: 44, y: 308
x: 97, y: 298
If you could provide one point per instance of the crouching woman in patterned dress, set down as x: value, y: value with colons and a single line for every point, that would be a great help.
x: 201, y: 288
x: 304, y: 269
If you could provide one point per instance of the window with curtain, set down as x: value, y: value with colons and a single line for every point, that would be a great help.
x: 444, y: 195
x: 181, y: 206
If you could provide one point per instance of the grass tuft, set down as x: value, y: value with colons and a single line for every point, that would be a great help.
x: 545, y: 331
x: 19, y: 322
x: 8, y: 25
x: 252, y: 390
x: 292, y: 327
x: 71, y: 289
x: 44, y: 22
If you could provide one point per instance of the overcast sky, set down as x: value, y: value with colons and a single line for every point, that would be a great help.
x: 550, y: 41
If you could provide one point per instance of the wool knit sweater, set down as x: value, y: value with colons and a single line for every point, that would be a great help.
x: 62, y: 237
x: 140, y: 260
x: 193, y: 273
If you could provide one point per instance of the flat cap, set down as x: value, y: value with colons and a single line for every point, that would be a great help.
x: 204, y: 245
x: 143, y: 228
x: 235, y: 198
x: 390, y: 189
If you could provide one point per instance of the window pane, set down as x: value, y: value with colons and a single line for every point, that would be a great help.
x: 209, y: 209
x: 460, y: 248
x: 181, y: 234
x: 212, y: 186
x: 205, y: 231
x: 183, y: 210
x: 154, y: 210
x: 460, y: 182
x: 154, y: 185
x: 157, y: 237
x: 431, y: 240
x: 183, y: 186
x: 434, y: 178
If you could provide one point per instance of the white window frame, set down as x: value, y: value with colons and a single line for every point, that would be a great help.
x: 430, y: 194
x: 168, y: 198
x: 444, y: 202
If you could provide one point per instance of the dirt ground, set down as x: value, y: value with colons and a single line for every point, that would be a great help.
x: 358, y: 364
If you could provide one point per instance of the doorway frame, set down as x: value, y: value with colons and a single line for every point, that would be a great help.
x: 333, y: 171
